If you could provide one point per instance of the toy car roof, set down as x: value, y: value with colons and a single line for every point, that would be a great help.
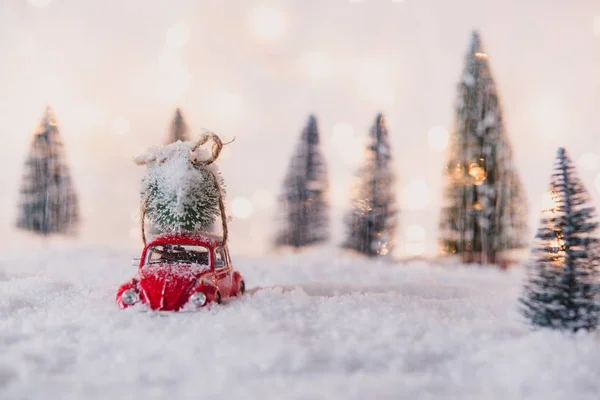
x: 196, y: 238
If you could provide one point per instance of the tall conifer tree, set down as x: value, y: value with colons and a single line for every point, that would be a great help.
x: 48, y: 202
x: 561, y: 291
x: 371, y: 223
x: 304, y: 200
x: 484, y: 211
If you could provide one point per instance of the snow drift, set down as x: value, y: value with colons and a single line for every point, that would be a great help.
x: 312, y: 326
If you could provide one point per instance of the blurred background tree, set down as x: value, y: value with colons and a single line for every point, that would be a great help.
x: 304, y: 198
x: 371, y: 223
x: 179, y: 128
x: 48, y: 201
x: 484, y: 211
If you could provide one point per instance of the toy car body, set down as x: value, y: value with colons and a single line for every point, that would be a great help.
x: 179, y: 271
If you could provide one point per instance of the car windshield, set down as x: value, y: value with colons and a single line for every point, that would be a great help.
x: 177, y: 254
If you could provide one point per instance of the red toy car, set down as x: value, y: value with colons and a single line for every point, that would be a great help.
x: 182, y: 272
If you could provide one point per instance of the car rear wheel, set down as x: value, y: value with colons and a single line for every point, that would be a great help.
x: 218, y: 297
x: 242, y: 288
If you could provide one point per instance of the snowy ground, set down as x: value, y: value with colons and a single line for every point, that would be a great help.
x: 315, y: 328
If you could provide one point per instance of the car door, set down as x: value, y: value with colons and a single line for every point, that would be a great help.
x: 222, y: 272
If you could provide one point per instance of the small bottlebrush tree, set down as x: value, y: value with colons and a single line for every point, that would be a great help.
x: 179, y: 128
x: 183, y: 190
x: 561, y: 290
x: 304, y: 200
x: 48, y: 202
x: 371, y: 223
x: 484, y: 210
x: 178, y: 132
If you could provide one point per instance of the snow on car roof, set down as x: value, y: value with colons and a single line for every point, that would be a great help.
x: 206, y: 238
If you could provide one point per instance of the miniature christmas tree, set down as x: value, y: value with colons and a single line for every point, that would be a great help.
x: 561, y: 291
x: 179, y: 128
x: 371, y: 224
x: 48, y: 202
x: 484, y: 210
x: 304, y: 197
x: 183, y: 190
x: 178, y: 132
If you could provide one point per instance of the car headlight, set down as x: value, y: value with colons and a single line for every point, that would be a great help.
x: 130, y: 297
x: 198, y: 299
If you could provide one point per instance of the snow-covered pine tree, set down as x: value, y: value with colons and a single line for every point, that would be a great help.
x: 483, y: 212
x: 304, y: 200
x: 371, y: 223
x: 182, y: 190
x: 48, y: 201
x: 561, y: 290
x: 178, y: 131
x: 179, y: 128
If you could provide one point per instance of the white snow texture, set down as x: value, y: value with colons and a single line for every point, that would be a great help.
x: 320, y: 326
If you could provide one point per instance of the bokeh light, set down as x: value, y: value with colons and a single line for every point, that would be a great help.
x: 267, y: 23
x: 415, y: 195
x: 588, y: 161
x: 241, y: 208
x: 39, y: 3
x: 178, y: 35
x: 438, y: 138
x: 263, y: 199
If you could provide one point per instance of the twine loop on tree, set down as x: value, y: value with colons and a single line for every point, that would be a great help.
x: 215, y: 151
x: 217, y: 146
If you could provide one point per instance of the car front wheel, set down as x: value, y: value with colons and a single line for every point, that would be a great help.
x: 242, y: 288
